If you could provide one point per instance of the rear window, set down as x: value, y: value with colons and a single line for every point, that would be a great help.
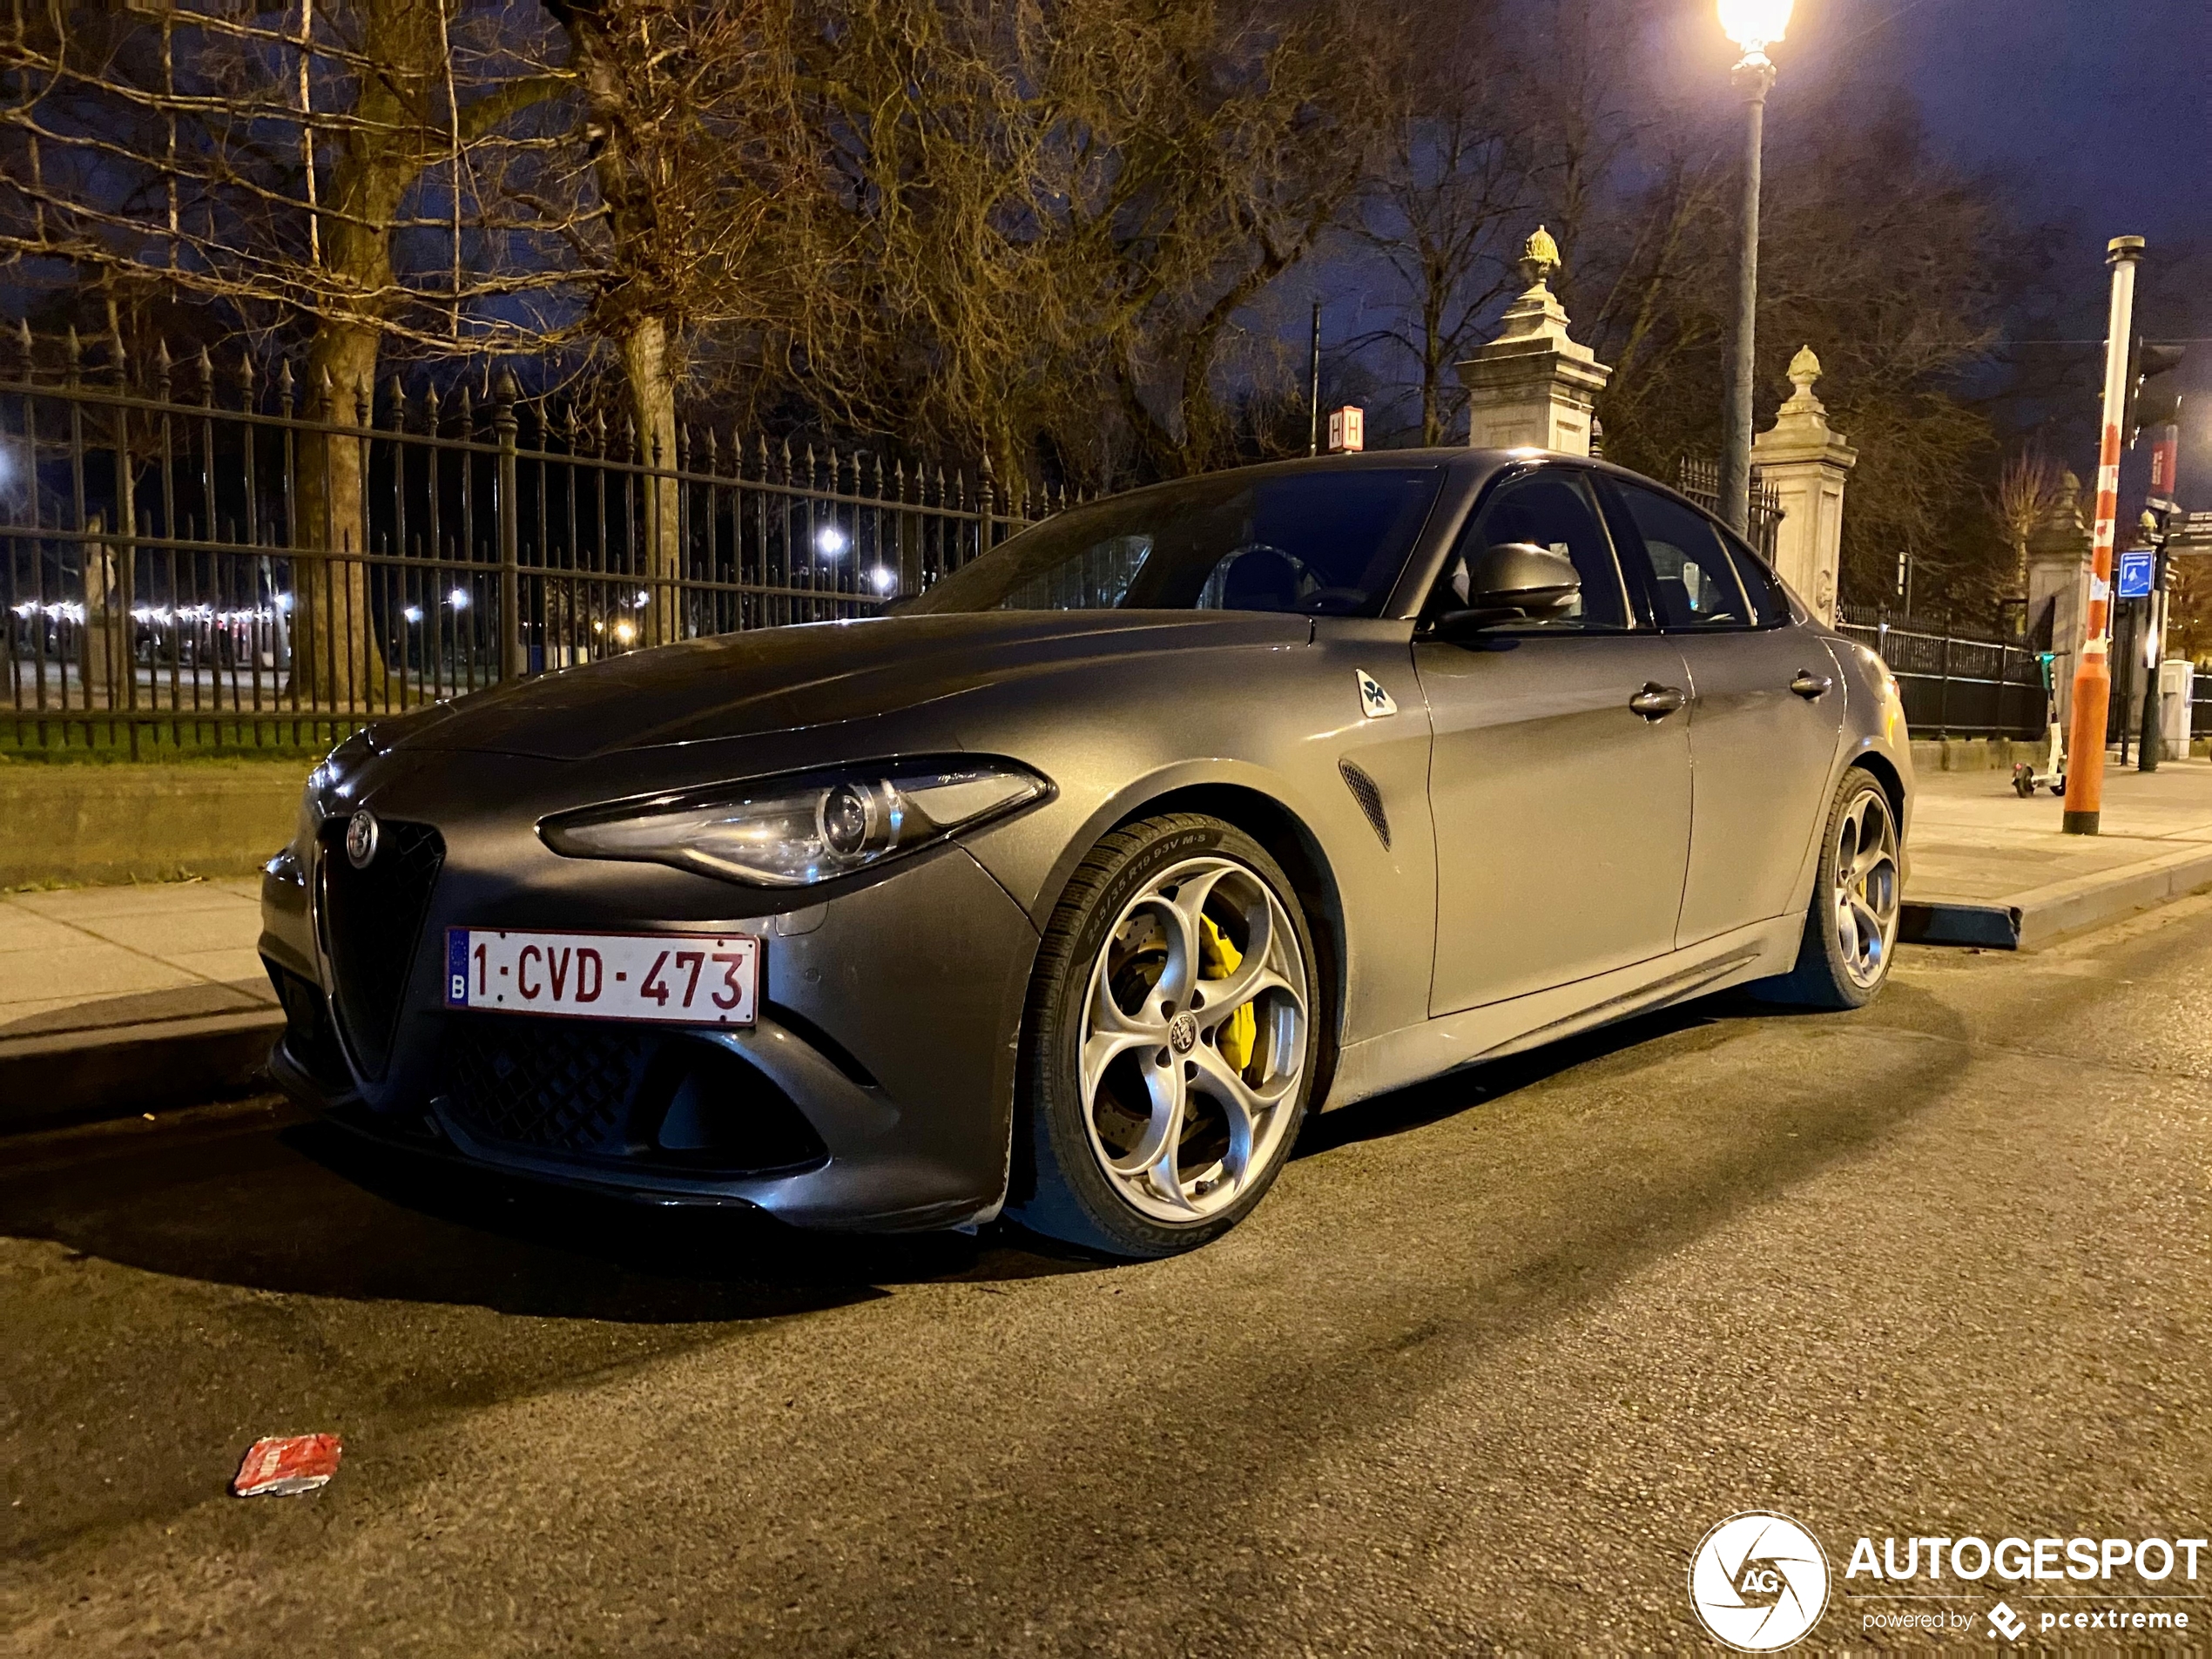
x: 1329, y: 542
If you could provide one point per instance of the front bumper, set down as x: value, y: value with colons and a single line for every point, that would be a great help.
x: 875, y: 1091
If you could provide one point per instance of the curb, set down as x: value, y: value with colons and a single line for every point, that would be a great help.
x: 2042, y: 915
x: 76, y: 1076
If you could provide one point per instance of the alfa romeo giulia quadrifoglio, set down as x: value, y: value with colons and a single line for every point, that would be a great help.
x: 1067, y: 890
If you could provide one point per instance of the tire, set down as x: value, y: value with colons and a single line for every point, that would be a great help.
x: 1851, y: 926
x: 1123, y: 1046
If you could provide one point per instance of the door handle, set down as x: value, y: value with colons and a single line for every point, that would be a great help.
x: 1808, y: 684
x: 1656, y: 702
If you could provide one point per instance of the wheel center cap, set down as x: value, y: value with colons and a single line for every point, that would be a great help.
x: 1183, y: 1033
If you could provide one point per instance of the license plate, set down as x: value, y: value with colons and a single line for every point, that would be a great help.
x: 671, y: 979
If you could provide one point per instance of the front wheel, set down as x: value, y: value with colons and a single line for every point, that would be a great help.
x: 1168, y: 1048
x: 1851, y: 929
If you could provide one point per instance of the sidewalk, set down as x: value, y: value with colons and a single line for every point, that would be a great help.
x: 1989, y: 869
x: 152, y: 995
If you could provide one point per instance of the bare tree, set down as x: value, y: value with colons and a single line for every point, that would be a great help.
x: 2030, y: 486
x: 1450, y: 188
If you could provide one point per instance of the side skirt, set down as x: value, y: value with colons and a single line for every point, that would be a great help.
x: 1416, y: 1052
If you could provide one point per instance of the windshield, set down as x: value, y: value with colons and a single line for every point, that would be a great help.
x: 1317, y: 544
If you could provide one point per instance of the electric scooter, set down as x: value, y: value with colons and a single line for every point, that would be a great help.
x: 2025, y: 777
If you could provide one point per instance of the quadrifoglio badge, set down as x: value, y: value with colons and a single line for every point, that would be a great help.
x: 1760, y: 1582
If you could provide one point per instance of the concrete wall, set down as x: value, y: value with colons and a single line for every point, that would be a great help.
x: 88, y: 823
x: 1974, y: 754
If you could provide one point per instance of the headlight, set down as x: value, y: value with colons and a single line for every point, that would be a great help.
x: 795, y: 831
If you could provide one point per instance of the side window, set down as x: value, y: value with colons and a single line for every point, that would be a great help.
x: 1693, y: 581
x: 1554, y: 509
x: 1769, y: 602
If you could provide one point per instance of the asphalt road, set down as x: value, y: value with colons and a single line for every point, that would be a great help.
x: 1488, y: 1363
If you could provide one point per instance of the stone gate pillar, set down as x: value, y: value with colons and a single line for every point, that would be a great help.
x: 1805, y: 460
x: 2058, y: 588
x: 1531, y: 386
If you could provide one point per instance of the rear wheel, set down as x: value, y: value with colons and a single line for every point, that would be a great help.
x: 1850, y: 931
x: 1167, y: 1051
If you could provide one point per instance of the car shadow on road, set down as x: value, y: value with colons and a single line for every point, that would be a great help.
x: 306, y: 1209
x: 1420, y: 1104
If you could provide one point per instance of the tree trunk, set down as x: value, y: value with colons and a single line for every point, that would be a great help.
x: 338, y: 661
x: 652, y: 407
x: 338, y: 656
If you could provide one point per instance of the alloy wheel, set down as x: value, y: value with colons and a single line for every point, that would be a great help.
x: 1177, y: 1124
x: 1866, y: 893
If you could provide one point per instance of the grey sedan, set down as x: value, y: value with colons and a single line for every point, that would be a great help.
x: 1068, y: 890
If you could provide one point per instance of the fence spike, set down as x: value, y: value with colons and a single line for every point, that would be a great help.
x: 599, y: 431
x: 395, y: 396
x: 786, y: 460
x: 898, y: 479
x: 810, y: 469
x: 117, y: 364
x: 23, y: 343
x: 628, y: 439
x: 74, y: 354
x: 284, y: 381
x: 713, y: 460
x: 245, y: 376
x: 206, y: 379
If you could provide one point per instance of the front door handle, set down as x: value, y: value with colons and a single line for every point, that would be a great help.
x: 1656, y: 702
x: 1808, y: 684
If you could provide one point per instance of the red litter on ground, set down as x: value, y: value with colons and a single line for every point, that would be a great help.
x: 287, y: 1464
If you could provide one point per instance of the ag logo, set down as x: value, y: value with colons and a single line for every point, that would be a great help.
x: 1374, y: 702
x: 1759, y: 1581
x: 360, y: 839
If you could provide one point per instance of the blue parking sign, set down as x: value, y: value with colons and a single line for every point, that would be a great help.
x: 2135, y: 574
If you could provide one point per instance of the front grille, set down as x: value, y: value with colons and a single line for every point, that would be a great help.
x: 555, y: 1085
x: 597, y: 1091
x: 371, y: 922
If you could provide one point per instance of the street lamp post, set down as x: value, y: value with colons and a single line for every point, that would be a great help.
x: 1753, y: 25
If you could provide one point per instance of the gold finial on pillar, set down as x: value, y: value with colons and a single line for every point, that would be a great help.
x: 1538, y: 258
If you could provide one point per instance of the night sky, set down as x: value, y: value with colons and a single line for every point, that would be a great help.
x: 2098, y: 115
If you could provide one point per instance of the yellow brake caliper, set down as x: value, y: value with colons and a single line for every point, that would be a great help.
x: 1218, y: 958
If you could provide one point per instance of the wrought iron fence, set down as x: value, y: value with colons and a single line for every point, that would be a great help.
x: 213, y: 559
x: 1954, y: 686
x: 1699, y: 478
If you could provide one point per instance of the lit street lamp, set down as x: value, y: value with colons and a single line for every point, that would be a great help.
x: 1753, y: 25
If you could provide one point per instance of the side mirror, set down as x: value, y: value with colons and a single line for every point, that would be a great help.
x: 1508, y: 583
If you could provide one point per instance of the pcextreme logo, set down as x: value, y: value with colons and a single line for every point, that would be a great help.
x: 1759, y: 1581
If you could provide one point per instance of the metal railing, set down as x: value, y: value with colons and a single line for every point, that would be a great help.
x: 195, y: 559
x: 1954, y: 686
x: 1699, y: 478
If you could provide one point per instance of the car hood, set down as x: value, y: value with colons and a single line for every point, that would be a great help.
x: 783, y: 680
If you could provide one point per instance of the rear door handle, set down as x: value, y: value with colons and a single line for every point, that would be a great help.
x: 1808, y: 684
x: 1656, y: 702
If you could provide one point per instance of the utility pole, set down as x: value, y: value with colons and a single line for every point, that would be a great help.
x: 2152, y: 739
x: 1313, y: 386
x: 2158, y: 512
x: 2085, y: 773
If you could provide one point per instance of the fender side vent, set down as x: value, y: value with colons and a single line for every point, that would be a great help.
x: 1368, y: 793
